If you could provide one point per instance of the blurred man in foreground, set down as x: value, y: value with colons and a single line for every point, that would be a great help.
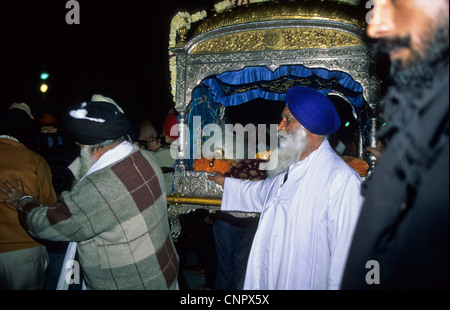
x: 402, y: 238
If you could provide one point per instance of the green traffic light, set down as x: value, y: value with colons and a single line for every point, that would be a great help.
x: 44, y: 76
x: 347, y: 124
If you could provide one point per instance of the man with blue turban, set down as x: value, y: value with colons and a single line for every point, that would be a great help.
x: 309, y: 204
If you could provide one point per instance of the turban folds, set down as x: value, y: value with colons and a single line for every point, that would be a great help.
x: 313, y: 110
x: 93, y: 122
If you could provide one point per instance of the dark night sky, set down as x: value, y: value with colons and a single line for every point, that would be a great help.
x: 119, y: 49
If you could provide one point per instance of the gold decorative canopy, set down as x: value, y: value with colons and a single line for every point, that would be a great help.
x: 262, y: 26
x: 278, y: 39
x: 345, y: 11
x: 306, y: 24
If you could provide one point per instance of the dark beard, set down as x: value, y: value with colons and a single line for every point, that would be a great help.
x: 420, y: 73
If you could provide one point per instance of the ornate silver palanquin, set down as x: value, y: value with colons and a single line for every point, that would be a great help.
x: 315, y: 34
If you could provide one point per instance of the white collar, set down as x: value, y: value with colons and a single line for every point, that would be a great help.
x: 110, y: 157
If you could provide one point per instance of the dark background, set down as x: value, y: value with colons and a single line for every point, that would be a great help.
x: 119, y: 50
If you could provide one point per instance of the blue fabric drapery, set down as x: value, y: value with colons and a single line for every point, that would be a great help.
x: 236, y: 87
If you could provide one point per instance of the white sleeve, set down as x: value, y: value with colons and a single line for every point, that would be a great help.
x: 245, y: 196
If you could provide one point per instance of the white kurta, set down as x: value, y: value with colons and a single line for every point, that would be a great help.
x: 306, y: 225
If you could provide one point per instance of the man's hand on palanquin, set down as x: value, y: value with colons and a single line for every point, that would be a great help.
x: 217, y: 177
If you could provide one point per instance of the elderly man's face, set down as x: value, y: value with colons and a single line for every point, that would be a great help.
x: 291, y: 131
x: 288, y: 122
x: 408, y: 27
x: 293, y: 139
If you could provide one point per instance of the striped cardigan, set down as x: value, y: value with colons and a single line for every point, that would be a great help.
x: 118, y: 216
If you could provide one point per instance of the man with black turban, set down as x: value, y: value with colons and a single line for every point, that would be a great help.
x: 116, y: 213
x: 309, y: 205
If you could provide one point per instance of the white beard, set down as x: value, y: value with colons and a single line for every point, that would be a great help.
x: 86, y: 160
x: 291, y: 147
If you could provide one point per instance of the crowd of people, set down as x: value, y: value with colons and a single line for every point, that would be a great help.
x: 114, y: 214
x: 99, y: 191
